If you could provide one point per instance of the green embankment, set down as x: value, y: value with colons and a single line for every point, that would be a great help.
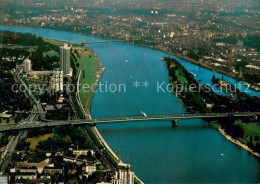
x: 251, y: 132
x: 88, y: 63
x: 54, y: 42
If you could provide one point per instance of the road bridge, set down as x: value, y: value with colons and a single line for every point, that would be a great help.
x: 32, y: 125
x: 101, y: 41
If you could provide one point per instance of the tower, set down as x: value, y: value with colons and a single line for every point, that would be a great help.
x: 27, y: 65
x: 65, y: 59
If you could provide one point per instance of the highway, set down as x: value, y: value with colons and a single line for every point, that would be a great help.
x: 10, y: 148
x: 37, y: 109
x: 126, y: 119
x: 28, y: 93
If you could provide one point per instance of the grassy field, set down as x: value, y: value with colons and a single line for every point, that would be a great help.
x: 54, y: 42
x: 11, y: 121
x: 51, y: 54
x: 35, y: 140
x: 33, y: 49
x: 214, y: 125
x: 250, y: 130
x: 89, y: 65
x: 179, y: 74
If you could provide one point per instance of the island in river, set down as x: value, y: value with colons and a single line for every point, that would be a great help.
x: 244, y: 132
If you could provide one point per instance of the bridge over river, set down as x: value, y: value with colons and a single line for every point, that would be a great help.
x: 101, y: 41
x: 36, y: 124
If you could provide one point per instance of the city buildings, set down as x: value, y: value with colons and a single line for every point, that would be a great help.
x: 65, y: 59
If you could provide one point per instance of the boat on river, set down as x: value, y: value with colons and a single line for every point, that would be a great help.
x: 143, y: 113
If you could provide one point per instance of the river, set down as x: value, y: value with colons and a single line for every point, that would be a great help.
x: 193, y: 152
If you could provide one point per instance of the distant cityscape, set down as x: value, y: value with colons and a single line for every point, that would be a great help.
x: 220, y: 35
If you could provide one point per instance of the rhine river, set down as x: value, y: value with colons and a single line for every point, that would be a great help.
x: 193, y: 152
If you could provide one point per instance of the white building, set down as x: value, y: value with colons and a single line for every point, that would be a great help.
x: 27, y: 65
x: 57, y: 81
x: 123, y: 175
x: 65, y: 59
x: 90, y: 169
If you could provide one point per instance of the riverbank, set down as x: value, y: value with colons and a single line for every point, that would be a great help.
x: 91, y: 72
x: 235, y: 141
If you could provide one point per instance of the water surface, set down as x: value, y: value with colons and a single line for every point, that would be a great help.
x: 191, y: 153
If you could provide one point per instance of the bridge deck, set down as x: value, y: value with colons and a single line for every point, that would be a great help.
x: 125, y: 119
x: 101, y: 41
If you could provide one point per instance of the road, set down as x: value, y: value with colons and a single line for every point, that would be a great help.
x: 10, y: 148
x: 72, y: 105
x: 37, y: 108
x: 78, y: 96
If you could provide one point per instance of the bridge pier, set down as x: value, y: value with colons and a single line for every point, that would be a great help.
x: 174, y: 123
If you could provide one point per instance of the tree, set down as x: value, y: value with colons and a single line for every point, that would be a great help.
x: 3, y: 140
x: 213, y: 78
x: 83, y: 74
x: 67, y: 140
x: 226, y: 122
x: 235, y: 131
x: 257, y: 148
x: 241, y: 65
